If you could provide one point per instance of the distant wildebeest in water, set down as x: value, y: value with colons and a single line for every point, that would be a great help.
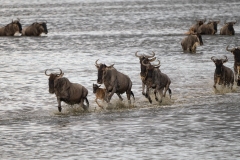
x: 114, y: 81
x: 228, y: 29
x: 194, y: 28
x: 12, y: 29
x: 222, y: 75
x: 70, y: 93
x: 190, y: 43
x: 35, y: 29
x: 157, y: 80
x: 143, y: 72
x: 236, y: 66
x: 210, y: 28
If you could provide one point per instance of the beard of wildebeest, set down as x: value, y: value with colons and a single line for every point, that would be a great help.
x: 100, y: 73
x: 215, y: 26
x: 44, y: 25
x: 51, y: 83
x: 230, y: 28
x: 218, y: 69
x: 19, y: 26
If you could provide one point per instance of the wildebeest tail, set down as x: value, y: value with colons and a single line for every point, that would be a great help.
x: 170, y: 92
x: 87, y: 102
x: 132, y: 95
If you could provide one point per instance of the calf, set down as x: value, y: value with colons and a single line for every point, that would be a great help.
x: 190, y: 43
x: 236, y: 66
x: 222, y: 75
x: 100, y: 94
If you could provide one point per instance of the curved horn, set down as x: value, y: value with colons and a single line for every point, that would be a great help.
x: 150, y: 56
x: 145, y: 64
x: 137, y: 55
x: 153, y: 59
x: 226, y: 59
x: 230, y: 50
x: 213, y: 58
x: 157, y: 64
x: 46, y: 73
x: 97, y: 63
x: 60, y: 72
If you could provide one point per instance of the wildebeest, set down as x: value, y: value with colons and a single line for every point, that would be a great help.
x: 70, y: 93
x: 144, y: 68
x: 222, y: 75
x: 158, y: 80
x: 12, y: 29
x: 100, y: 94
x: 114, y: 81
x: 195, y: 27
x: 35, y: 29
x: 210, y: 28
x: 190, y: 43
x: 228, y: 29
x: 236, y: 66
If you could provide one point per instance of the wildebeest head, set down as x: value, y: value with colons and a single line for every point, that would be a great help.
x: 200, y: 21
x: 214, y: 23
x: 101, y: 70
x: 150, y: 68
x: 219, y: 65
x: 230, y: 25
x: 147, y: 61
x: 95, y: 87
x: 44, y: 27
x: 52, y: 78
x: 17, y: 22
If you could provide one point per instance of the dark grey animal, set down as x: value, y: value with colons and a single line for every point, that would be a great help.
x: 222, y: 75
x: 228, y: 29
x: 114, y: 81
x: 236, y: 66
x: 11, y: 29
x: 144, y: 68
x: 210, y: 28
x: 194, y: 28
x: 158, y: 80
x: 70, y: 93
x: 190, y: 43
x: 36, y: 29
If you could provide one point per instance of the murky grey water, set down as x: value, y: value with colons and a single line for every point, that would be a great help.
x: 196, y: 124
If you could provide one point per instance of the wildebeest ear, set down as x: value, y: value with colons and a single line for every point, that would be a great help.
x: 97, y: 66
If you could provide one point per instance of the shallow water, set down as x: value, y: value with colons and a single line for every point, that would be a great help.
x: 197, y: 123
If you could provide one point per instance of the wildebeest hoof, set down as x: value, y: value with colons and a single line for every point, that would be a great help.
x: 59, y: 109
x: 143, y: 94
x: 146, y: 95
x: 156, y: 99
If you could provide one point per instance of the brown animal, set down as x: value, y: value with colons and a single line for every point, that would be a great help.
x: 70, y: 93
x: 114, y: 81
x: 100, y: 94
x: 210, y: 28
x: 194, y: 28
x: 158, y: 80
x: 36, y: 29
x: 236, y: 66
x: 228, y: 29
x: 144, y: 68
x: 12, y: 29
x: 222, y: 75
x: 190, y: 43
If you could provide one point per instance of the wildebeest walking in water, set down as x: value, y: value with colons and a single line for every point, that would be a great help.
x: 194, y: 28
x: 228, y: 29
x: 12, y: 29
x: 70, y: 93
x: 35, y: 29
x: 114, y: 81
x: 236, y: 66
x: 158, y: 80
x: 222, y: 75
x: 190, y: 43
x: 210, y: 28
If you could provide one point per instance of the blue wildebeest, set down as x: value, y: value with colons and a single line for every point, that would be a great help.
x: 236, y: 66
x: 222, y: 75
x: 70, y: 93
x: 228, y: 29
x: 35, y: 29
x: 194, y: 28
x: 158, y: 80
x: 144, y: 68
x: 210, y: 28
x: 12, y: 29
x: 190, y: 43
x: 114, y: 81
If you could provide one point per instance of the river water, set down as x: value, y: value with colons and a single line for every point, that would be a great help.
x: 197, y: 123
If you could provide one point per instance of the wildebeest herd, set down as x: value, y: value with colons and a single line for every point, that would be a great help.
x: 152, y: 77
x: 15, y: 29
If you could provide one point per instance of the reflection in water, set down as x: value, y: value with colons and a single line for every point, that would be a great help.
x: 197, y: 123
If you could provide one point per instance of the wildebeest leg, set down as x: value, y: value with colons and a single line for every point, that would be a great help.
x: 120, y: 97
x: 148, y: 96
x: 143, y: 89
x: 128, y: 97
x: 59, y: 104
x: 166, y: 89
x: 87, y: 102
x: 161, y: 94
x: 111, y: 94
x: 155, y: 93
